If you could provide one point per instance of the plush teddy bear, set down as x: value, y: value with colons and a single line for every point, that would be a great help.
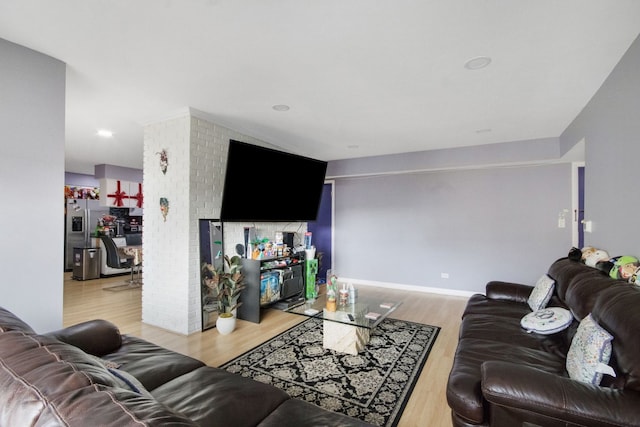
x: 591, y: 256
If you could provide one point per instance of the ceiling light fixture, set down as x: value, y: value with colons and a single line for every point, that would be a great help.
x: 104, y: 133
x: 477, y: 63
x: 281, y: 107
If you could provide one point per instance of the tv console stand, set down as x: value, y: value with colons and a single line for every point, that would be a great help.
x: 292, y: 290
x: 288, y: 303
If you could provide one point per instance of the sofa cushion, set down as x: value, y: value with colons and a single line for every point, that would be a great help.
x: 617, y: 311
x: 509, y: 332
x: 151, y: 364
x: 541, y: 293
x: 10, y: 322
x: 46, y: 382
x: 296, y: 413
x: 97, y: 337
x: 565, y: 272
x: 464, y: 386
x: 481, y: 304
x: 211, y: 396
x: 128, y: 382
x: 547, y: 321
x: 590, y: 350
x: 583, y: 291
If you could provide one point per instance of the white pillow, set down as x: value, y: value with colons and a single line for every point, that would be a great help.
x: 547, y: 321
x: 541, y: 293
x: 589, y: 353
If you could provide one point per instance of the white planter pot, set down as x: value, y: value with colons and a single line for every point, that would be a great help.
x: 226, y: 325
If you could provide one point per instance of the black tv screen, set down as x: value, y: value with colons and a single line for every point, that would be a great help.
x: 263, y: 184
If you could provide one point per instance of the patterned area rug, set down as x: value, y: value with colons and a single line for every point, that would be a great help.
x: 373, y: 386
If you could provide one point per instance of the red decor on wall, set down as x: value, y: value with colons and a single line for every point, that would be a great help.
x: 138, y: 197
x: 118, y: 196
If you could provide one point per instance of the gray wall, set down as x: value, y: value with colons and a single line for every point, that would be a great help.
x: 80, y: 180
x: 476, y: 225
x: 32, y: 88
x: 610, y: 126
x: 492, y: 223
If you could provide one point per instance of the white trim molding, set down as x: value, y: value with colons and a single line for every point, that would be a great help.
x: 403, y: 287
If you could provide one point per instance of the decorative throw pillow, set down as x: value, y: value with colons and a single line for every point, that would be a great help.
x: 589, y: 353
x: 547, y: 321
x: 541, y: 293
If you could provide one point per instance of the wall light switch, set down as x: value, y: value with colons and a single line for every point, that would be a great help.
x: 562, y: 222
x: 587, y: 226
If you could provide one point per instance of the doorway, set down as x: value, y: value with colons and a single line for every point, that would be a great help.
x: 322, y: 229
x: 578, y: 204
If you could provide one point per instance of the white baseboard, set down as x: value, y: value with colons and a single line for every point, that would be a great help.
x: 425, y: 289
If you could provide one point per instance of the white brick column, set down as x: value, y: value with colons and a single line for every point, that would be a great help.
x: 197, y: 154
x: 166, y: 290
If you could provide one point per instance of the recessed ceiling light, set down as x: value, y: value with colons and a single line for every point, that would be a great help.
x: 281, y: 107
x: 477, y: 63
x: 104, y: 133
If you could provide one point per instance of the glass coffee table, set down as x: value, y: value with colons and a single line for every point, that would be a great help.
x: 348, y: 329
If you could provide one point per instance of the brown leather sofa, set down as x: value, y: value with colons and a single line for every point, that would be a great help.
x: 91, y: 375
x: 504, y: 376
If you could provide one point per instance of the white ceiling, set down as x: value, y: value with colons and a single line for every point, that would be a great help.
x: 362, y: 77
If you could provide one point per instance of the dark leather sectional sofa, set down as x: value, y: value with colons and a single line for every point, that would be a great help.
x: 504, y: 376
x: 91, y: 375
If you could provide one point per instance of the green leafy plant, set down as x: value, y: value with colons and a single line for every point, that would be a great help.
x: 227, y: 282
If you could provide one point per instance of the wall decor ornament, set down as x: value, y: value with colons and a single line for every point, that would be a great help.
x: 164, y: 207
x: 138, y: 196
x: 164, y: 161
x: 118, y: 195
x: 75, y: 192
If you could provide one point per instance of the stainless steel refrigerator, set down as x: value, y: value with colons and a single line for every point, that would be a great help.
x: 80, y: 224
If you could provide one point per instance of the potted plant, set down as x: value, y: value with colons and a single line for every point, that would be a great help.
x: 227, y: 282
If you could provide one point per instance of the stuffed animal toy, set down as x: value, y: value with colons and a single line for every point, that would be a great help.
x: 635, y: 277
x: 624, y: 267
x: 591, y: 256
x: 575, y: 254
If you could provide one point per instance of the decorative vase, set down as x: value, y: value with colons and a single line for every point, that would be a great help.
x: 331, y: 305
x: 226, y: 323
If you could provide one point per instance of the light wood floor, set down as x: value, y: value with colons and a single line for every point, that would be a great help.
x: 85, y: 300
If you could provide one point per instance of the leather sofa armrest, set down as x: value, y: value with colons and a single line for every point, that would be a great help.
x: 515, y: 292
x: 525, y: 390
x: 97, y: 337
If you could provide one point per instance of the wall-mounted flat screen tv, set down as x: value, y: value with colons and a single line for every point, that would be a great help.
x: 263, y: 184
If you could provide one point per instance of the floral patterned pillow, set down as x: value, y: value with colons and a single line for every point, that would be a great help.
x: 589, y: 353
x: 541, y: 294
